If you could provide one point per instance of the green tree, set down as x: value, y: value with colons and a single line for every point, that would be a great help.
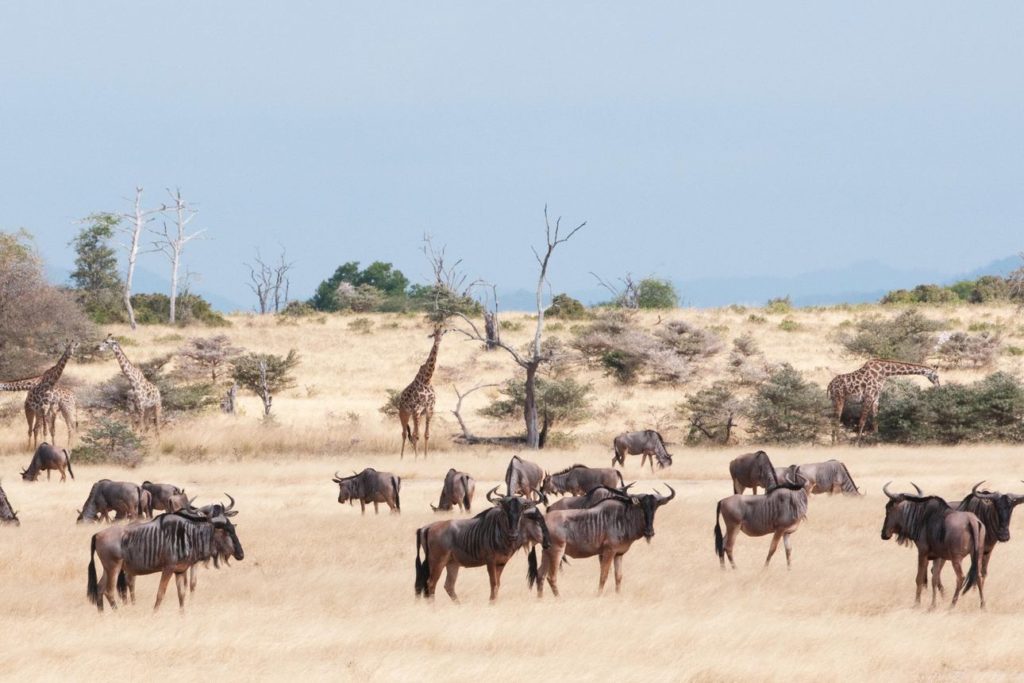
x: 95, y: 276
x: 656, y: 293
x: 389, y: 282
x: 788, y: 409
x: 559, y: 401
x: 265, y: 374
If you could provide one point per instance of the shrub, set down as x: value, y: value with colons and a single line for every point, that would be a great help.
x: 788, y: 409
x: 559, y: 401
x: 390, y: 407
x: 656, y: 293
x: 908, y: 337
x: 111, y: 442
x: 298, y: 309
x: 781, y: 304
x: 711, y: 413
x: 265, y: 374
x: 361, y: 325
x: 191, y: 309
x: 617, y: 343
x: 440, y: 302
x: 177, y: 393
x: 565, y: 307
x: 689, y: 341
x: 976, y: 350
x: 358, y: 298
x: 756, y: 319
x: 789, y: 325
x: 211, y: 355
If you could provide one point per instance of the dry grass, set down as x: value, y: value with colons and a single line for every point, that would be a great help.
x: 328, y: 594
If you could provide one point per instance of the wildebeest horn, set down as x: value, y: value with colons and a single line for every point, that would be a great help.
x: 337, y: 477
x: 885, y: 490
x: 626, y: 487
x: 490, y: 494
x: 231, y: 507
x: 662, y: 499
x: 919, y: 491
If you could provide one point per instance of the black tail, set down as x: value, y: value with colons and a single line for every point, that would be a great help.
x: 422, y: 567
x: 397, y: 483
x: 92, y: 589
x: 531, y: 567
x: 972, y: 573
x: 465, y: 492
x: 122, y: 586
x: 67, y: 458
x: 719, y: 541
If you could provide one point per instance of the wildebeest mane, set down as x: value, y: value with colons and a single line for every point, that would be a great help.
x: 569, y: 469
x: 914, y: 517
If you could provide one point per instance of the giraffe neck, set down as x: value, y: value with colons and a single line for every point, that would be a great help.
x: 130, y: 371
x: 50, y: 377
x: 427, y: 369
x: 895, y: 368
x: 20, y: 384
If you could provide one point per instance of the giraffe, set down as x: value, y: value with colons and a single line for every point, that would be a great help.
x: 418, y: 399
x: 67, y: 405
x: 144, y: 395
x: 866, y: 383
x: 42, y: 396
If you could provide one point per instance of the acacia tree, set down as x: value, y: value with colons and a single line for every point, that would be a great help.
x: 534, y: 355
x: 265, y: 374
x: 172, y: 240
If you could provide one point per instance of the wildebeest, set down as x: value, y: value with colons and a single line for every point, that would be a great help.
x: 123, y: 498
x: 647, y: 443
x: 7, y: 515
x: 223, y: 546
x: 779, y: 512
x: 940, y: 533
x: 166, y: 497
x: 169, y: 544
x: 490, y: 538
x: 370, y: 486
x: 48, y: 458
x: 592, y: 497
x: 458, y: 489
x: 751, y: 470
x: 994, y: 510
x: 580, y: 479
x: 523, y: 478
x: 829, y: 477
x: 608, y: 530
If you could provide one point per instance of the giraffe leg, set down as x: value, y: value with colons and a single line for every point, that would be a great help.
x: 874, y: 416
x: 156, y: 418
x: 865, y: 409
x: 837, y: 409
x: 403, y: 418
x: 426, y: 431
x: 415, y: 433
x: 30, y: 417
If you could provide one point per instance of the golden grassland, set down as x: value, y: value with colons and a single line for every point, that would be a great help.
x: 326, y: 593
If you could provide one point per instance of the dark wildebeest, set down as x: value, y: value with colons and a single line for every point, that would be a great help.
x: 779, y: 512
x: 994, y: 509
x: 7, y: 515
x: 489, y: 539
x: 524, y: 478
x: 592, y: 498
x: 751, y: 470
x: 166, y: 497
x: 458, y: 489
x: 829, y: 477
x: 123, y: 498
x: 647, y: 444
x: 370, y: 486
x: 223, y: 546
x: 940, y: 533
x: 169, y: 544
x: 608, y: 530
x: 48, y: 458
x: 580, y: 479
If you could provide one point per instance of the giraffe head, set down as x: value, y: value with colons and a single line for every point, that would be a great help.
x: 108, y: 344
x: 70, y: 346
x: 933, y: 376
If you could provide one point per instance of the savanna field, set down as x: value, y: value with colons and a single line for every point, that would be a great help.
x: 326, y: 593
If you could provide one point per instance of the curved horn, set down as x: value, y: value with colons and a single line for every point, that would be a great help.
x: 626, y: 487
x: 885, y: 490
x: 662, y: 499
x: 337, y: 477
x: 919, y: 491
x: 974, y: 489
x: 232, y: 506
x: 490, y: 493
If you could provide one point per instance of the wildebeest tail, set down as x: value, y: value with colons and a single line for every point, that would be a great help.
x: 531, y: 567
x: 397, y: 484
x: 972, y: 573
x: 422, y: 567
x: 122, y: 585
x: 67, y: 459
x: 92, y: 590
x: 719, y: 541
x: 465, y: 492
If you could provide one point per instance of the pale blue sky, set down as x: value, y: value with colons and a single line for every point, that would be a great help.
x: 696, y: 139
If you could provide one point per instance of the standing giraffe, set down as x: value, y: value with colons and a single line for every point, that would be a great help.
x: 418, y: 399
x: 67, y: 405
x: 42, y: 398
x: 866, y: 383
x: 144, y: 395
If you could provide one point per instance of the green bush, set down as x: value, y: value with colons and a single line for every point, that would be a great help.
x: 361, y: 325
x: 110, y: 442
x: 787, y: 409
x: 559, y: 401
x: 656, y: 293
x: 191, y: 309
x: 908, y: 337
x: 962, y: 349
x: 779, y: 305
x: 787, y: 324
x: 711, y: 413
x: 565, y: 307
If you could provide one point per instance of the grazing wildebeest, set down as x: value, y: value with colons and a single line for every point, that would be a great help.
x: 608, y: 530
x: 370, y: 486
x: 579, y: 479
x: 458, y: 489
x: 166, y: 497
x: 829, y: 477
x: 169, y: 544
x: 490, y: 538
x: 751, y: 470
x: 223, y: 546
x: 123, y: 498
x: 940, y: 533
x: 523, y: 478
x: 592, y: 498
x: 7, y: 515
x: 994, y: 509
x: 779, y: 512
x: 48, y: 458
x: 647, y: 444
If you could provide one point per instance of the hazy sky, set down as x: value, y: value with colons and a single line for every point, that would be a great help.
x: 696, y: 139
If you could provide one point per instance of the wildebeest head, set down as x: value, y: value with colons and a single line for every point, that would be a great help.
x: 348, y: 487
x: 513, y: 508
x: 894, y: 522
x: 220, y: 517
x: 649, y: 504
x: 1002, y: 507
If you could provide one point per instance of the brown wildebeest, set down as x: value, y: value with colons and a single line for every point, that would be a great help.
x: 778, y: 512
x: 48, y: 458
x: 223, y: 546
x: 608, y: 530
x: 7, y: 514
x: 489, y: 539
x: 579, y: 479
x: 523, y: 478
x: 592, y: 498
x: 751, y: 470
x: 940, y: 533
x: 166, y: 497
x: 123, y: 498
x: 458, y: 489
x: 647, y: 443
x: 994, y: 509
x: 169, y: 544
x: 370, y: 486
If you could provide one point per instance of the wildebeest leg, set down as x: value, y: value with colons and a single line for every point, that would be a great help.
x: 773, y: 548
x: 618, y: 572
x: 165, y: 578
x: 606, y: 565
x: 449, y: 580
x: 179, y: 583
x: 936, y: 569
x: 922, y: 575
x: 730, y: 539
x: 376, y: 509
x: 937, y: 566
x: 959, y: 570
x: 192, y: 579
x: 48, y: 475
x: 789, y: 550
x: 494, y: 574
x: 130, y: 580
x: 362, y: 507
x: 754, y: 489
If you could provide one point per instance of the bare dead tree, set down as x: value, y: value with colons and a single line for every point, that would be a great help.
x: 136, y: 221
x: 492, y: 328
x: 171, y: 240
x: 532, y: 358
x: 467, y: 436
x: 626, y: 296
x: 270, y: 282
